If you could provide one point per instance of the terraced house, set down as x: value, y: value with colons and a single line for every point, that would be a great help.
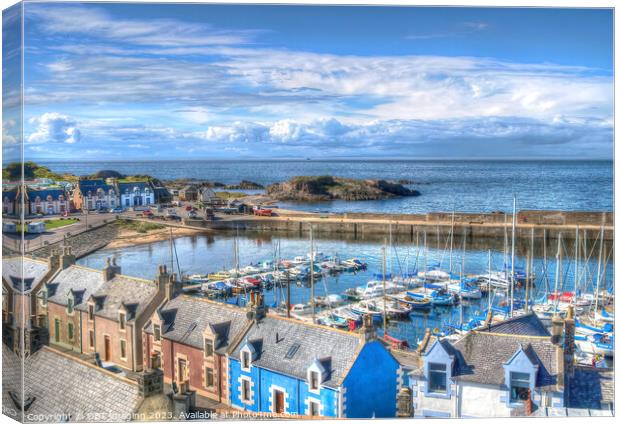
x: 512, y: 368
x: 48, y: 201
x: 101, y: 312
x: 93, y: 194
x: 188, y: 337
x: 284, y: 366
x: 137, y: 193
x: 22, y: 277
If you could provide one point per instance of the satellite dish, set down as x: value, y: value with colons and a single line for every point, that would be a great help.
x: 250, y: 315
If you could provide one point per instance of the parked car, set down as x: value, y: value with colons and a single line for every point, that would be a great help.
x: 117, y: 209
x: 189, y: 207
x: 173, y: 218
x: 192, y: 214
x: 147, y: 214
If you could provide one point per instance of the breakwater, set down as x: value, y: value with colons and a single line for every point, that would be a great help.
x: 536, y: 224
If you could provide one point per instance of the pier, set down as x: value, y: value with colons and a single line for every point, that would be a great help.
x: 536, y: 224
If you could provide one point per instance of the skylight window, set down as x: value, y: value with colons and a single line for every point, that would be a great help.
x: 292, y: 351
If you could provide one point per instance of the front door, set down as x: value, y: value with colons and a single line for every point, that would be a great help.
x: 57, y: 330
x: 106, y: 348
x: 279, y: 399
x: 181, y: 369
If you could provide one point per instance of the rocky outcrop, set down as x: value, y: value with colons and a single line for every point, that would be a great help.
x: 245, y: 185
x: 314, y: 189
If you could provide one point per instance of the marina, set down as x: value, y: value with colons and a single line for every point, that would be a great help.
x: 406, y: 287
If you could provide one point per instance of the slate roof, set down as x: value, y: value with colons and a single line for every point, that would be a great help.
x: 93, y: 185
x: 480, y: 356
x: 524, y: 325
x: 52, y: 380
x: 273, y: 337
x: 33, y: 272
x: 43, y: 194
x: 130, y: 186
x: 185, y: 319
x: 589, y: 387
x: 134, y: 293
x: 11, y: 195
x: 83, y: 281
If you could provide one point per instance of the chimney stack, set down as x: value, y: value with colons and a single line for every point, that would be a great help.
x: 257, y: 305
x: 67, y: 258
x: 368, y: 329
x: 171, y: 287
x: 54, y: 259
x: 569, y: 341
x: 556, y: 329
x: 111, y: 269
x: 162, y: 277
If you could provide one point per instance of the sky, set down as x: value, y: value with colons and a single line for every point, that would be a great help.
x: 189, y: 81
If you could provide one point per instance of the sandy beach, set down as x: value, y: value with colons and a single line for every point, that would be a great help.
x: 131, y: 238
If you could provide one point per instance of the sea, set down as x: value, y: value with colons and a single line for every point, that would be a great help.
x: 445, y: 185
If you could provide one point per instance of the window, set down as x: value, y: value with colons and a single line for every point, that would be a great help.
x: 43, y: 297
x: 121, y: 320
x: 314, y: 380
x: 208, y: 377
x: 209, y: 348
x: 314, y: 408
x: 245, y: 360
x: 156, y: 332
x: 123, y: 349
x: 519, y: 386
x: 437, y: 378
x: 70, y: 331
x: 70, y: 305
x: 245, y: 390
x: 91, y: 339
x: 91, y: 312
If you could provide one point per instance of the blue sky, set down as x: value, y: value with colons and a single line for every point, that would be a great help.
x: 122, y: 81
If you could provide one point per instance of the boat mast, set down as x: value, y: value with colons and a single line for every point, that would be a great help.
x: 425, y: 263
x: 489, y: 283
x: 451, y: 239
x: 558, y: 255
x: 171, y: 253
x: 312, y: 274
x: 384, y: 292
x: 598, y: 273
x: 512, y: 260
x: 576, y: 276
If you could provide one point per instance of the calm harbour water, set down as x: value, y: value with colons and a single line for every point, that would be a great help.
x: 210, y: 253
x: 465, y: 186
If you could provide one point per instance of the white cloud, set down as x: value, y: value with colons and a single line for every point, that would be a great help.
x: 54, y: 127
x: 10, y: 133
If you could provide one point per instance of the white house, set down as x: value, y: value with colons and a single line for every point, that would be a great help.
x: 49, y: 201
x: 511, y: 368
x: 136, y: 194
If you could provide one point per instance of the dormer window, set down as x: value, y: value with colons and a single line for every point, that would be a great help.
x: 91, y: 312
x: 122, y: 320
x: 246, y: 359
x: 437, y: 378
x: 314, y: 380
x: 43, y: 297
x: 70, y: 305
x: 247, y: 355
x: 519, y: 386
x: 209, y: 348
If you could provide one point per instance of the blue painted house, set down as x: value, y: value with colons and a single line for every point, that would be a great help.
x: 286, y: 366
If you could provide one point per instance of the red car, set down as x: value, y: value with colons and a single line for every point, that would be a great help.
x: 263, y: 212
x: 147, y: 214
x: 188, y: 208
